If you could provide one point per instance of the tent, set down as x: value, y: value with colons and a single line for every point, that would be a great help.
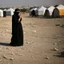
x: 32, y: 12
x: 40, y: 11
x: 10, y: 12
x: 51, y: 8
x: 1, y: 13
x: 55, y: 13
x: 4, y: 13
x: 61, y: 9
x: 48, y: 12
x: 60, y: 6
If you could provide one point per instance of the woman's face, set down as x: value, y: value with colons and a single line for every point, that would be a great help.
x: 17, y: 12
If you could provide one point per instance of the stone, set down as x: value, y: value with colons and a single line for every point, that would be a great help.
x: 61, y: 25
x: 7, y: 48
x: 34, y: 31
x: 11, y: 58
x: 27, y: 42
x: 55, y: 49
x: 46, y: 57
x: 12, y: 53
x: 57, y: 24
x: 54, y: 43
x: 5, y: 57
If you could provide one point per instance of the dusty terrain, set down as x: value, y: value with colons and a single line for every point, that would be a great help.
x: 43, y: 41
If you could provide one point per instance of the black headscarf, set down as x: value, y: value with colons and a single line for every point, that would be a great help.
x: 16, y: 12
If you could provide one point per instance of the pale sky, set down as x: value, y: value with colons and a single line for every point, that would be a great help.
x: 10, y: 3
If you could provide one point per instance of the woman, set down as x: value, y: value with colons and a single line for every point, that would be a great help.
x: 17, y: 30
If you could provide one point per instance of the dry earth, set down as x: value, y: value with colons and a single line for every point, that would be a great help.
x: 43, y: 41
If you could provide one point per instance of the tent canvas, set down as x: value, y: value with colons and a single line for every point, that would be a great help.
x: 4, y: 12
x: 49, y: 11
x: 46, y: 14
x: 61, y: 9
x: 32, y: 10
x: 60, y: 6
x: 51, y: 8
x: 10, y: 11
x: 55, y: 13
x: 1, y: 13
x: 41, y: 10
x: 61, y: 12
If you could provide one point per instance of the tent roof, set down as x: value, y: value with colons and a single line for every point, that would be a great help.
x: 10, y: 9
x: 41, y: 8
x: 60, y: 6
x: 5, y: 9
x: 33, y: 9
x: 1, y: 10
x: 51, y: 8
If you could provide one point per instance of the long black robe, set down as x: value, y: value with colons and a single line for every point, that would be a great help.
x: 17, y: 32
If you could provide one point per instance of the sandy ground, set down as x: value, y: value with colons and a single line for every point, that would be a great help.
x: 43, y: 41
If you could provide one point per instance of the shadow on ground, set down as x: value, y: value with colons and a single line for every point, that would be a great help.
x: 61, y: 54
x: 4, y: 44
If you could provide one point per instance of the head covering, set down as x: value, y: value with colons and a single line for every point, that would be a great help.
x: 16, y: 12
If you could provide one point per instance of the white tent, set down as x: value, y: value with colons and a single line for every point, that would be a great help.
x: 5, y: 10
x: 32, y: 10
x: 1, y: 13
x: 50, y: 9
x: 60, y: 6
x: 41, y: 10
x: 10, y: 12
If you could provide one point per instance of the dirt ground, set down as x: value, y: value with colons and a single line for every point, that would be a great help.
x: 43, y: 41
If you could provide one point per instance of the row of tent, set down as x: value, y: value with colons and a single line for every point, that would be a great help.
x: 6, y: 12
x: 52, y: 11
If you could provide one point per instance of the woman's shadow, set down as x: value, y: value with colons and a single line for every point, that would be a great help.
x: 4, y: 44
x: 61, y: 54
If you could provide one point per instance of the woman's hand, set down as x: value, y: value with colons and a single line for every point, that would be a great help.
x: 20, y: 17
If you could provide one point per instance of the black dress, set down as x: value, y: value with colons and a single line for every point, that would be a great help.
x: 17, y: 31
